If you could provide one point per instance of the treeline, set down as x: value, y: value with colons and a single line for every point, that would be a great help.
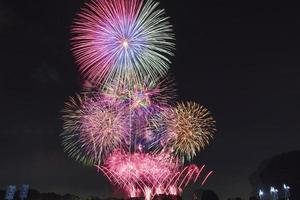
x: 36, y: 195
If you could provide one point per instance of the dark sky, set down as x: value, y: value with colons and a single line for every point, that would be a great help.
x: 239, y: 60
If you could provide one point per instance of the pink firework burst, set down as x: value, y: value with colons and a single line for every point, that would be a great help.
x: 124, y: 40
x: 147, y: 175
x: 94, y: 127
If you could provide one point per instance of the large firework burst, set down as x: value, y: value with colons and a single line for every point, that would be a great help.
x: 124, y: 40
x: 191, y: 127
x: 93, y: 127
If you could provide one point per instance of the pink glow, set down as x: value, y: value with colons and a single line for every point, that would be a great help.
x: 173, y: 190
x: 147, y: 175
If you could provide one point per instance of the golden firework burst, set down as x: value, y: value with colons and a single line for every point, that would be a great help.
x: 191, y: 127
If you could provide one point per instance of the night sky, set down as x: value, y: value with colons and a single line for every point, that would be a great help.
x: 239, y: 60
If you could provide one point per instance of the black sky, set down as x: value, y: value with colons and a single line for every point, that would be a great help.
x: 240, y: 60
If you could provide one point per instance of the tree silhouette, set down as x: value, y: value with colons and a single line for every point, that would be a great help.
x: 205, y: 195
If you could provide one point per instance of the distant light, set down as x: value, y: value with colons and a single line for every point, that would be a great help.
x: 286, y: 187
x: 260, y: 193
x: 272, y: 189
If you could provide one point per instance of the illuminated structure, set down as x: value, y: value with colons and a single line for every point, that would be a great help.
x: 260, y: 194
x: 286, y: 192
x: 128, y: 126
x: 273, y: 193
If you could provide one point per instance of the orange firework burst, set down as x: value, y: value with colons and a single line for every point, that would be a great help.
x: 191, y: 127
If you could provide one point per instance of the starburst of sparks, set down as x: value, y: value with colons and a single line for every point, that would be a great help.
x: 126, y: 40
x: 93, y: 127
x: 191, y: 127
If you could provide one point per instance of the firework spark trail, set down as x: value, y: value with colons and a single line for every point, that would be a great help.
x: 188, y: 176
x: 199, y: 172
x: 125, y: 40
x: 129, y: 172
x: 205, y: 179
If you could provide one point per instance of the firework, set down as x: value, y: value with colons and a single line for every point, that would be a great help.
x: 191, y: 127
x: 93, y: 127
x: 126, y: 124
x: 143, y: 96
x: 145, y: 102
x: 147, y: 175
x: 124, y: 40
x: 153, y: 93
